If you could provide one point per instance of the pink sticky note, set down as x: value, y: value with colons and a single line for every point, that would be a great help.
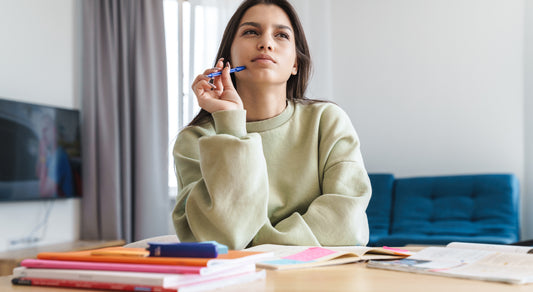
x: 310, y: 254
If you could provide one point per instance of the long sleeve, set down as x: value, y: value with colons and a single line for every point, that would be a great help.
x: 337, y: 215
x: 223, y: 183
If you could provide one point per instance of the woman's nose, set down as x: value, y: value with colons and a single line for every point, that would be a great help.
x: 265, y: 43
x: 268, y: 47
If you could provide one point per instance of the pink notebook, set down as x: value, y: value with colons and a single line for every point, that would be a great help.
x: 168, y: 269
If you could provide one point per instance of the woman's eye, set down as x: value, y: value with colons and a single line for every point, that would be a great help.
x: 283, y: 35
x: 249, y: 32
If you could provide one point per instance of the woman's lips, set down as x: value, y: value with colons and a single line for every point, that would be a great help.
x: 263, y: 58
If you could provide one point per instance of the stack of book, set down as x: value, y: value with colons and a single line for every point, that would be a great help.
x: 138, y: 269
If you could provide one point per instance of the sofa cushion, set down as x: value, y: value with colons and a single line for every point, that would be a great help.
x: 452, y: 208
x: 421, y: 239
x: 379, y: 207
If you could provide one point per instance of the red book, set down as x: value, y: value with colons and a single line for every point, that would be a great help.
x: 87, y: 285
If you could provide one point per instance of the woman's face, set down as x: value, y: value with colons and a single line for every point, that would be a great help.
x: 265, y: 44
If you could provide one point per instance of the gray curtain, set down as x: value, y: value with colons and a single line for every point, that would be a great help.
x: 124, y: 116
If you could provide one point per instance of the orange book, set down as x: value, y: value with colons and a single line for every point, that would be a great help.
x: 121, y: 251
x: 124, y: 255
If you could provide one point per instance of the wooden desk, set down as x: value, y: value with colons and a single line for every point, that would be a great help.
x: 11, y: 259
x: 350, y: 277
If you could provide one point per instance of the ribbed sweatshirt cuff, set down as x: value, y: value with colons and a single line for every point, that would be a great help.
x: 232, y: 122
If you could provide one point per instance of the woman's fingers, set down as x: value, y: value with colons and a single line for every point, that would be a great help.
x: 220, y: 63
x: 217, y: 82
x: 211, y: 80
x: 230, y: 94
x: 216, y: 93
x: 201, y: 84
x: 226, y: 77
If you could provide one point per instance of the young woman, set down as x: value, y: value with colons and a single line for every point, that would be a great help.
x: 261, y: 163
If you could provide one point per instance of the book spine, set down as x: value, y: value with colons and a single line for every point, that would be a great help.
x: 87, y: 285
x: 167, y: 269
x: 92, y: 276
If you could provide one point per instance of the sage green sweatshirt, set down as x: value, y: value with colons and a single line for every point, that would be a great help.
x: 295, y: 179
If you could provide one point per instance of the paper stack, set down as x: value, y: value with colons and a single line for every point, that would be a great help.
x: 477, y: 261
x: 135, y: 269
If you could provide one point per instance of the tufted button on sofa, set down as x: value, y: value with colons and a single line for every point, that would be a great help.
x: 437, y: 210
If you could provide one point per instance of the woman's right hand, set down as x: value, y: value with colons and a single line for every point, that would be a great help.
x: 219, y: 95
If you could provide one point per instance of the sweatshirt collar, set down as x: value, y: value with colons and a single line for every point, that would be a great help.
x: 269, y: 124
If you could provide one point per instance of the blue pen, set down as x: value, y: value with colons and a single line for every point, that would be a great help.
x: 232, y: 70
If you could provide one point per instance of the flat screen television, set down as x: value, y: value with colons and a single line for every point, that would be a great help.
x: 40, y: 152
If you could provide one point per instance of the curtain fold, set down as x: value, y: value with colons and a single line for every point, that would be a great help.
x: 125, y: 124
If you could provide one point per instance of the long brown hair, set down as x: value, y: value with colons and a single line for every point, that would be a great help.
x: 297, y: 84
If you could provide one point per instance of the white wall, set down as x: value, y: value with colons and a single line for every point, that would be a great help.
x: 316, y: 20
x: 39, y: 64
x: 434, y: 87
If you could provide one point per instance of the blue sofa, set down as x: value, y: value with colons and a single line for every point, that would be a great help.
x: 437, y: 210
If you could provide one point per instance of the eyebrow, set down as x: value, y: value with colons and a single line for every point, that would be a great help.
x: 255, y: 24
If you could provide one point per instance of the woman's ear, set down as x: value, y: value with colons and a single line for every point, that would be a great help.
x: 295, y: 68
